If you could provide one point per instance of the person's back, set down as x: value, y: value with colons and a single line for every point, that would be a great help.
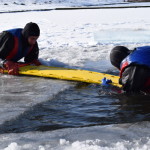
x: 134, y: 67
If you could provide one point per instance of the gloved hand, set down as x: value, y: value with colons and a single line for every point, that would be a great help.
x: 106, y: 82
x: 1, y: 70
x: 12, y: 67
x: 36, y: 62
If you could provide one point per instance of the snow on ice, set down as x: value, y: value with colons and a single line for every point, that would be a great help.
x: 68, y: 38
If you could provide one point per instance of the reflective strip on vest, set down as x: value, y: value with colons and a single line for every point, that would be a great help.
x: 123, y: 66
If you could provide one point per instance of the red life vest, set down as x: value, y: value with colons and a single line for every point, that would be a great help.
x: 141, y: 56
x: 18, y: 51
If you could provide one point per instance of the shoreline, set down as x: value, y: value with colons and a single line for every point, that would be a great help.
x: 75, y: 8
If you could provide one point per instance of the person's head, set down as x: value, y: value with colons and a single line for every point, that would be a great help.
x: 31, y: 33
x: 117, y: 54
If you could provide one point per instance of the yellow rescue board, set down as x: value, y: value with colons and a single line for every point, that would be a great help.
x: 68, y: 74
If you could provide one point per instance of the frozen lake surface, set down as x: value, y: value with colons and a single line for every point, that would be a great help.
x: 43, y: 114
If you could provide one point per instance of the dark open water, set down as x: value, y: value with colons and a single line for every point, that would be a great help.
x: 78, y: 106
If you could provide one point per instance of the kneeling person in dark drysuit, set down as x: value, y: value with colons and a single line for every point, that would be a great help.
x: 134, y: 67
x: 19, y: 43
